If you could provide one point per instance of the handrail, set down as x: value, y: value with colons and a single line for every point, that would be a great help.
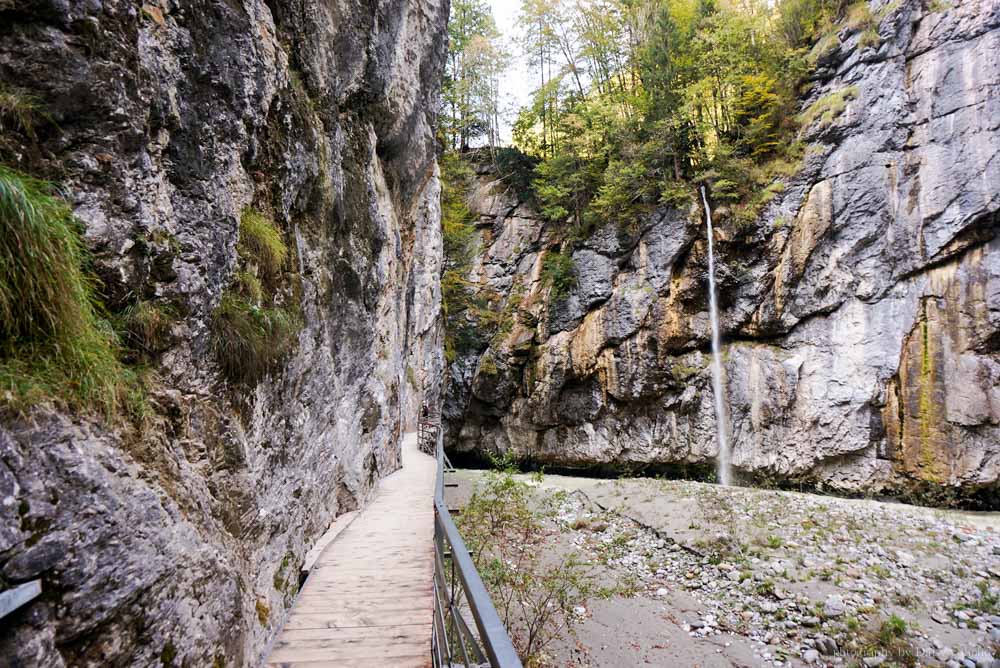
x: 450, y: 630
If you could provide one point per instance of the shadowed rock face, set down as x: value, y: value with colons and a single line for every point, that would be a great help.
x: 861, y: 313
x: 181, y: 542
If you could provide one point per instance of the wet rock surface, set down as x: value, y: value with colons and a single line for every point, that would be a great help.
x: 178, y: 541
x: 724, y: 576
x: 859, y: 313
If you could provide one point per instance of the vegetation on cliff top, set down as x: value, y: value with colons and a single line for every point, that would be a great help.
x: 637, y: 101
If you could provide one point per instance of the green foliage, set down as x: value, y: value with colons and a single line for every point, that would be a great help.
x: 261, y: 242
x: 475, y: 60
x: 53, y: 344
x: 19, y: 110
x: 255, y: 326
x: 534, y: 590
x: 517, y: 169
x: 803, y: 22
x: 147, y: 326
x: 457, y: 222
x: 471, y: 309
x: 677, y: 90
x: 828, y: 108
x: 559, y: 271
x: 250, y: 341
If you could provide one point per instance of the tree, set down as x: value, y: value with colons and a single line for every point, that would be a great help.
x: 476, y: 60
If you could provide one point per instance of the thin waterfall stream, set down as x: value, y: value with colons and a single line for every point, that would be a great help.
x: 723, y: 464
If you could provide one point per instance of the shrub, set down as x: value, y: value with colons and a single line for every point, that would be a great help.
x: 518, y: 169
x: 534, y: 591
x: 53, y: 345
x: 559, y: 271
x: 261, y: 242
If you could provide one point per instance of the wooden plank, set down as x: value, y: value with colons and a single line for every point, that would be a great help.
x: 416, y: 661
x: 369, y: 598
x: 357, y: 632
x: 379, y: 655
x: 337, y: 620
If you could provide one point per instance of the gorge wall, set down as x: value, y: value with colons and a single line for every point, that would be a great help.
x: 178, y: 540
x: 860, y: 313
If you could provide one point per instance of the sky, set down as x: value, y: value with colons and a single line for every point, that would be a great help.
x: 517, y: 85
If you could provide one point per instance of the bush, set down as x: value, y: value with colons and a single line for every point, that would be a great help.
x: 261, y: 242
x: 518, y: 169
x: 53, y: 345
x: 559, y: 271
x: 534, y: 591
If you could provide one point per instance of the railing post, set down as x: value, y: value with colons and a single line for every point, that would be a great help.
x: 494, y: 643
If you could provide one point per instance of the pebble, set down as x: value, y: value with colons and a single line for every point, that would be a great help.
x: 872, y: 661
x: 834, y: 606
x: 944, y: 655
x: 810, y: 656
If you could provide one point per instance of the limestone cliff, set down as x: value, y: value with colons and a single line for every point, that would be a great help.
x: 861, y: 311
x: 178, y: 541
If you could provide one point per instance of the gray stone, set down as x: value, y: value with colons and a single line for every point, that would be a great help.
x: 834, y: 606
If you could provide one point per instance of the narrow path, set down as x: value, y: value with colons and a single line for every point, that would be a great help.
x: 368, y: 601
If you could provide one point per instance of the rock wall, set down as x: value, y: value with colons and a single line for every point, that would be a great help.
x: 179, y: 541
x: 861, y: 313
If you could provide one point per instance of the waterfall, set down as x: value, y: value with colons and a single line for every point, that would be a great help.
x: 724, y: 470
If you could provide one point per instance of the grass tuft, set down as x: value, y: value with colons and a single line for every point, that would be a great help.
x: 147, y: 325
x: 250, y: 341
x: 19, y: 110
x: 828, y: 108
x: 53, y: 344
x: 261, y: 242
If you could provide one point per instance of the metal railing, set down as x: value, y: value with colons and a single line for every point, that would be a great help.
x: 458, y: 589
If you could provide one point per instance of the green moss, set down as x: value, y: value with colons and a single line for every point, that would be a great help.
x: 254, y: 327
x: 53, y: 344
x: 261, y: 242
x: 279, y: 575
x: 488, y: 366
x: 168, y: 654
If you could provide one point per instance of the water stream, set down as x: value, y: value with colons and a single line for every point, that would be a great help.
x: 724, y: 468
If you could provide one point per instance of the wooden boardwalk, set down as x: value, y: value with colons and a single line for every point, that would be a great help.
x: 369, y: 600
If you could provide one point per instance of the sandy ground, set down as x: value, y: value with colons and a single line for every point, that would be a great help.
x: 745, y: 577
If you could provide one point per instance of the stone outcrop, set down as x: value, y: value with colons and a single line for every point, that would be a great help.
x: 860, y: 312
x: 179, y: 541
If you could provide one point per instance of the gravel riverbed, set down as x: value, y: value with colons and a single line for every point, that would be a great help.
x: 729, y: 576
